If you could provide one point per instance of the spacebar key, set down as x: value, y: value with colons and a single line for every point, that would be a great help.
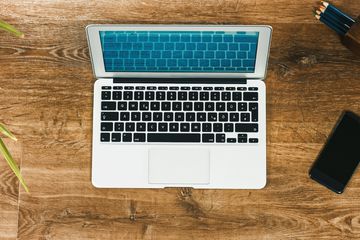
x: 173, y: 137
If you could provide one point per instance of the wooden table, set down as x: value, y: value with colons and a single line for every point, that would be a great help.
x: 46, y: 89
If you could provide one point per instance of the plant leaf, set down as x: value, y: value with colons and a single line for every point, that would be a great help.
x: 9, y: 159
x: 6, y: 132
x: 11, y: 29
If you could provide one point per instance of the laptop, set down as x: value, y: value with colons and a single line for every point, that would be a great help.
x: 179, y: 106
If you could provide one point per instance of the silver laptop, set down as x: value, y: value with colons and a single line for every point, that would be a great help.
x: 179, y: 106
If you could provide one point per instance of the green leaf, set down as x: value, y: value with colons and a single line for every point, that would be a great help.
x: 6, y: 132
x: 11, y: 29
x: 9, y: 159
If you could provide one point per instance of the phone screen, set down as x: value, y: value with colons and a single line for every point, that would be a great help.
x: 341, y: 154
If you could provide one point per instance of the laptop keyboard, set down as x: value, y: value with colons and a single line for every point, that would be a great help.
x: 176, y: 51
x: 179, y: 114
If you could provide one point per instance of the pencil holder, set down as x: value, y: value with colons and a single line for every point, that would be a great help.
x: 352, y: 38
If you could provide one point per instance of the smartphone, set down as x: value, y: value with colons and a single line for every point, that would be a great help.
x: 340, y: 155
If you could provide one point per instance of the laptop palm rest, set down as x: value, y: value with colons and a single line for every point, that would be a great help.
x: 179, y: 166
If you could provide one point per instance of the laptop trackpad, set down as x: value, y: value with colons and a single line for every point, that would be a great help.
x: 179, y: 166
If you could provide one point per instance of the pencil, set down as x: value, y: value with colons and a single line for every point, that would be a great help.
x: 330, y: 25
x: 334, y: 18
x: 346, y: 19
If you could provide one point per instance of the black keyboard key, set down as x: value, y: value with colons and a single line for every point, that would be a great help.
x: 116, y: 95
x: 155, y: 106
x: 129, y: 88
x: 204, y: 96
x: 190, y: 117
x: 106, y: 126
x: 108, y: 105
x: 217, y: 127
x: 144, y: 106
x: 152, y: 127
x: 252, y: 88
x: 184, y: 127
x: 242, y: 138
x: 174, y: 127
x: 208, y: 138
x: 176, y: 106
x: 246, y: 127
x: 241, y: 88
x: 236, y: 96
x: 105, y: 137
x: 109, y: 116
x: 245, y: 117
x: 157, y: 116
x: 198, y: 106
x: 253, y: 108
x: 231, y: 140
x: 220, y: 138
x: 174, y: 88
x: 223, y: 117
x: 149, y: 95
x: 163, y: 127
x: 106, y: 87
x: 231, y: 106
x: 201, y: 117
x: 212, y: 117
x: 135, y: 116
x: 151, y: 88
x: 179, y: 116
x: 165, y: 106
x: 187, y: 106
x: 140, y: 88
x: 253, y: 140
x: 195, y: 127
x: 219, y: 88
x: 207, y: 88
x: 117, y: 87
x: 119, y: 126
x: 173, y: 137
x: 127, y: 137
x: 206, y: 127
x: 128, y: 95
x: 116, y: 137
x: 234, y: 117
x: 209, y: 106
x: 168, y: 116
x: 250, y: 96
x: 162, y: 88
x: 138, y: 95
x: 193, y: 96
x: 185, y: 88
x: 242, y: 106
x: 230, y: 88
x: 146, y: 116
x: 160, y: 95
x: 130, y: 127
x: 124, y: 116
x: 133, y: 106
x: 122, y: 106
x: 140, y: 127
x: 171, y: 95
x: 196, y: 88
x: 182, y: 96
x: 220, y: 106
x: 139, y: 137
x: 228, y: 127
x: 106, y: 95
x: 215, y: 96
x: 226, y: 96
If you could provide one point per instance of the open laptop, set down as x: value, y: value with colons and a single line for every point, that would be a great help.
x: 179, y: 106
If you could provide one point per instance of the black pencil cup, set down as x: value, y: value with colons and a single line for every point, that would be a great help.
x: 352, y: 38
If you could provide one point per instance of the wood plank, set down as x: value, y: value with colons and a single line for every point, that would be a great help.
x: 47, y: 88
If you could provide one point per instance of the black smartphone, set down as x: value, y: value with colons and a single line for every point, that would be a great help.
x: 340, y: 155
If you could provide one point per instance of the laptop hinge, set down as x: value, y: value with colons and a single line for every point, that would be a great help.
x: 182, y: 80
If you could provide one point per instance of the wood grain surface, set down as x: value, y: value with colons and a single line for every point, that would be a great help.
x: 46, y: 89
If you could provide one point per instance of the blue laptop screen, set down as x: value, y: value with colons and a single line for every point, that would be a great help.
x: 179, y: 51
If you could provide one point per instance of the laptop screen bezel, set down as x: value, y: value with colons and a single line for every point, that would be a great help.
x: 97, y: 59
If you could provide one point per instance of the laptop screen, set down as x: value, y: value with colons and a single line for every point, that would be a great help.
x: 179, y: 51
